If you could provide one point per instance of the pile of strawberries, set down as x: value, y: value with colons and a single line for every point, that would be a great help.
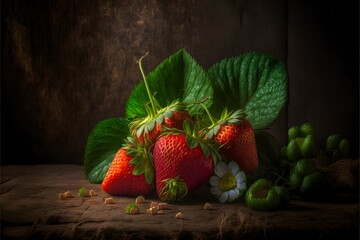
x: 174, y: 153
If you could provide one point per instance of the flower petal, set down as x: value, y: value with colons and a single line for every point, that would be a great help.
x: 233, y: 167
x: 240, y: 176
x: 214, y: 181
x: 233, y: 195
x: 224, y: 197
x: 216, y: 191
x: 241, y: 185
x: 221, y: 169
x: 237, y: 192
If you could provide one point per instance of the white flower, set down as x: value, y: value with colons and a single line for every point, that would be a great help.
x: 229, y: 181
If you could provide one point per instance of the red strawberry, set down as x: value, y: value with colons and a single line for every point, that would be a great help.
x: 238, y: 143
x: 182, y: 164
x: 236, y: 137
x: 120, y: 180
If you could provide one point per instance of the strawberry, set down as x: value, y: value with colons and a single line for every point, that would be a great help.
x: 183, y: 162
x: 147, y: 129
x: 238, y: 142
x: 131, y: 171
x: 237, y: 139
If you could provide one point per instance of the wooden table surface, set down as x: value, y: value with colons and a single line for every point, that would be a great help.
x: 31, y: 209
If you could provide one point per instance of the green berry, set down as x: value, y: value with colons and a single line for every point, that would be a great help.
x: 293, y: 151
x: 344, y: 146
x: 303, y: 167
x: 295, y: 181
x: 308, y: 147
x: 294, y: 132
x: 332, y: 142
x: 307, y: 129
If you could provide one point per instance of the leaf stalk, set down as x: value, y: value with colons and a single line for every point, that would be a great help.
x: 152, y: 100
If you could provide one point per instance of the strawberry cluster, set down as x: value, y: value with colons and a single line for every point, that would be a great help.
x: 175, y: 152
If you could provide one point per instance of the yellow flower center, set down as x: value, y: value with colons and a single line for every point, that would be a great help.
x: 227, y: 182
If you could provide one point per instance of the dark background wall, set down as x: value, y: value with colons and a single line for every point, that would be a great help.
x: 66, y: 65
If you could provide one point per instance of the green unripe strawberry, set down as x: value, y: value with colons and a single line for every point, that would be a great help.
x: 332, y: 142
x: 303, y: 167
x: 294, y: 132
x: 307, y: 129
x: 308, y: 147
x: 295, y: 181
x: 313, y: 186
x: 293, y: 151
x: 344, y: 146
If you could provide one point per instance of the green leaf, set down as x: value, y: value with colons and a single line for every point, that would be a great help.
x: 254, y: 82
x: 192, y: 142
x: 149, y: 174
x: 216, y: 129
x: 188, y: 127
x: 151, y: 125
x: 224, y: 113
x: 159, y: 120
x: 140, y: 130
x: 136, y: 160
x: 205, y: 148
x: 102, y: 144
x: 168, y: 114
x: 177, y: 77
x: 139, y: 169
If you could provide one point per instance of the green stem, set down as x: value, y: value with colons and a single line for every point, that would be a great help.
x: 279, y: 178
x: 212, y: 119
x: 152, y: 101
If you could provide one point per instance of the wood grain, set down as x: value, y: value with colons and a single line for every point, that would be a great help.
x: 67, y: 65
x: 70, y: 64
x: 30, y: 208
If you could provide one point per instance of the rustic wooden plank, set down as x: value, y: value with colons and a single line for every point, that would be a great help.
x: 70, y: 64
x: 30, y: 208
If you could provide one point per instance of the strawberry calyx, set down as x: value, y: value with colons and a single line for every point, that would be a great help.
x: 194, y: 137
x: 232, y: 117
x: 144, y: 125
x: 142, y: 159
x: 174, y: 189
x: 132, y: 208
